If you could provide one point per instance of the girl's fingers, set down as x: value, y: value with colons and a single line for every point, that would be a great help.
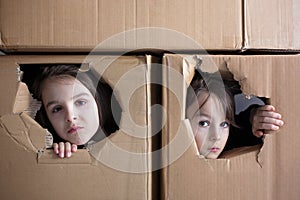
x: 68, y: 149
x: 55, y: 148
x: 61, y: 147
x: 64, y: 149
x: 74, y: 148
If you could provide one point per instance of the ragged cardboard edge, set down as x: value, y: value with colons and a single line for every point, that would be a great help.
x: 238, y: 75
x: 27, y: 133
x: 24, y: 102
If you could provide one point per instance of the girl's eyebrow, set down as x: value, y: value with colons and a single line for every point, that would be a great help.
x: 74, y: 97
x: 51, y: 103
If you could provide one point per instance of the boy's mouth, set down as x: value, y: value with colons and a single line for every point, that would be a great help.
x: 214, y: 149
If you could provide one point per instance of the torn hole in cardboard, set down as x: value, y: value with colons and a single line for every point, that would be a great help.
x: 240, y: 140
x: 27, y: 103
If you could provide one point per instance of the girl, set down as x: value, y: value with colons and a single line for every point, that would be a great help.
x: 210, y: 109
x: 76, y: 107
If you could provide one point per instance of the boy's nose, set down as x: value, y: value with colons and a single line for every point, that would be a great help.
x: 214, y: 134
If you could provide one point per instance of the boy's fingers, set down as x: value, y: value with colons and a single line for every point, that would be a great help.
x: 269, y: 114
x: 270, y: 120
x: 266, y: 126
x: 258, y: 133
x: 267, y: 108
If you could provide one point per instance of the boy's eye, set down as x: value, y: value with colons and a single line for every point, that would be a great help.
x: 80, y: 102
x: 204, y: 123
x: 224, y: 124
x: 56, y: 109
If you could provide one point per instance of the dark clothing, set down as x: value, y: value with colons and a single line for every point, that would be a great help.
x: 242, y: 135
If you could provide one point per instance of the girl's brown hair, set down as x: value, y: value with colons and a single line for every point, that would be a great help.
x: 103, y: 94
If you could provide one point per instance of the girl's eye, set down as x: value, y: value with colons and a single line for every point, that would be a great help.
x: 204, y: 123
x: 224, y: 124
x: 80, y: 102
x: 56, y: 109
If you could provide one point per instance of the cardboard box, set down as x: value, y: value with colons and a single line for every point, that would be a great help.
x: 29, y: 170
x: 272, y: 25
x: 82, y: 25
x: 269, y: 172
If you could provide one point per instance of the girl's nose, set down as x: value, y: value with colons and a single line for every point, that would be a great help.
x: 70, y: 115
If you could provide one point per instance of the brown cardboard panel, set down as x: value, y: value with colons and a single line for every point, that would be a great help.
x: 270, y: 172
x: 81, y: 25
x: 23, y: 153
x: 31, y: 24
x: 210, y: 24
x: 272, y: 24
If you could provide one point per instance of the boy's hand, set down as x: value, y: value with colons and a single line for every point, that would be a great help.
x: 64, y: 149
x: 265, y: 118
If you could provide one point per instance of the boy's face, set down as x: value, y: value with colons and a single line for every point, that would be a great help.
x: 71, y: 109
x: 209, y: 124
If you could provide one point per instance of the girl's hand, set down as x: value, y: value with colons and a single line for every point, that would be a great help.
x: 64, y: 149
x: 265, y: 118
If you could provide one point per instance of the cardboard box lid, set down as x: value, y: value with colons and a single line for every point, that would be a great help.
x: 23, y: 154
x: 266, y: 173
x: 82, y: 25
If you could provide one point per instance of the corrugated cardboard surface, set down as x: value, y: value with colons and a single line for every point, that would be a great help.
x: 80, y: 25
x: 272, y: 24
x: 271, y: 172
x: 27, y: 172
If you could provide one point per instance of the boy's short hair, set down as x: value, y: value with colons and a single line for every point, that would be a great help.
x: 211, y: 83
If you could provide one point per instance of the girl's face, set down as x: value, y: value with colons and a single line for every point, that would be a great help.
x: 209, y: 124
x: 71, y: 109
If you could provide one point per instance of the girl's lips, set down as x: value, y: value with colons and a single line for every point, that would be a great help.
x: 74, y: 129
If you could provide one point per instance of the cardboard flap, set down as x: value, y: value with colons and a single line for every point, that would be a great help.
x: 24, y: 101
x: 24, y: 131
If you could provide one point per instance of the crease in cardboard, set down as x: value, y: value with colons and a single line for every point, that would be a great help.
x: 1, y: 40
x: 244, y: 26
x: 34, y: 133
